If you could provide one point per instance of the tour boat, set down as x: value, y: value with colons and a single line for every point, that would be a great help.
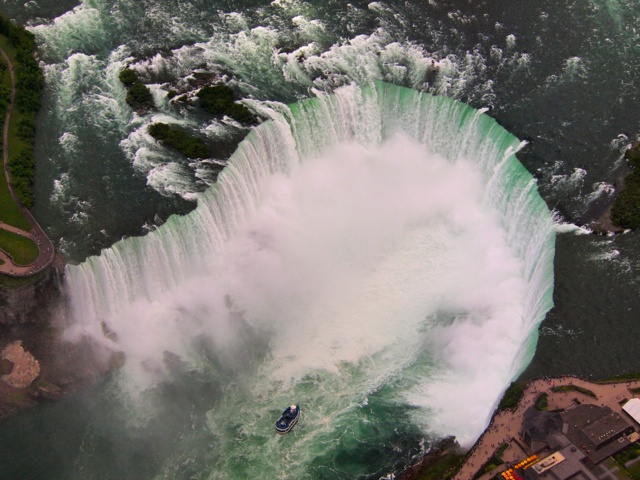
x: 288, y: 419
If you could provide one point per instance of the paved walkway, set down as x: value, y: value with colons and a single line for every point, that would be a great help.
x: 36, y: 234
x: 506, y: 425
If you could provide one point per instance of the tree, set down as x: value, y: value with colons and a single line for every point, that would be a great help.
x: 220, y: 100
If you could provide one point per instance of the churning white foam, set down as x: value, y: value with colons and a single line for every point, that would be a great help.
x: 345, y: 244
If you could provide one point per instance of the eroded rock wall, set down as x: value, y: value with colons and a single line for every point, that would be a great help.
x: 24, y: 301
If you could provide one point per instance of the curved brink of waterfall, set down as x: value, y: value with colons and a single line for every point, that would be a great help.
x: 142, y: 268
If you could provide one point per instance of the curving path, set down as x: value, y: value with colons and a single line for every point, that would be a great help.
x: 36, y: 234
x: 506, y: 425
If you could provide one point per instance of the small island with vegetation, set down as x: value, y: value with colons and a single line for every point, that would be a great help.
x: 139, y: 96
x: 625, y: 212
x: 187, y: 145
x: 221, y: 100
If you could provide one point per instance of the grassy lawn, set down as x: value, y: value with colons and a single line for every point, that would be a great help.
x: 23, y: 250
x: 9, y: 211
x: 634, y: 471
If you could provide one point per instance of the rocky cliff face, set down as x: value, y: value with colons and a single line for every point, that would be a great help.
x: 26, y: 300
x: 32, y: 319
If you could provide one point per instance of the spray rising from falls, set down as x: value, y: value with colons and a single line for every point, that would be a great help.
x: 377, y: 250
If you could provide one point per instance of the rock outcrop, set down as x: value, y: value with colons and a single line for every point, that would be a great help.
x: 28, y: 300
x: 25, y: 368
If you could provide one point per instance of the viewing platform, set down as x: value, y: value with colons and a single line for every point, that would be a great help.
x: 574, y: 436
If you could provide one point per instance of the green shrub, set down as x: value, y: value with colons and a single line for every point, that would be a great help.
x: 241, y: 113
x: 191, y: 147
x: 634, y: 471
x: 26, y: 129
x: 216, y: 99
x: 220, y: 100
x: 21, y: 167
x: 542, y: 402
x: 128, y: 76
x: 491, y: 466
x: 139, y: 97
x: 630, y: 453
x: 573, y: 388
x: 500, y: 451
x: 625, y: 212
x: 512, y: 395
x: 5, y: 96
x: 625, y: 377
x: 495, y: 460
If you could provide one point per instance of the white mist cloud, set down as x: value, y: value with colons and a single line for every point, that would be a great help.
x: 352, y: 256
x: 349, y: 254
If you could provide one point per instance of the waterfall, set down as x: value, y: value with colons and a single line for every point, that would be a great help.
x: 439, y: 315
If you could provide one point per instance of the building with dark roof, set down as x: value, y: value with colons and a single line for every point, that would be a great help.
x: 598, y: 431
x: 538, y: 426
x: 576, y: 440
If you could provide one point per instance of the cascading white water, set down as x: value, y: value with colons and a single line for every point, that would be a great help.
x: 380, y: 238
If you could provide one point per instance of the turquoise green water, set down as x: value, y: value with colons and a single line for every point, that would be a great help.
x: 561, y: 76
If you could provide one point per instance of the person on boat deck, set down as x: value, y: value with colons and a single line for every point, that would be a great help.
x: 291, y: 413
